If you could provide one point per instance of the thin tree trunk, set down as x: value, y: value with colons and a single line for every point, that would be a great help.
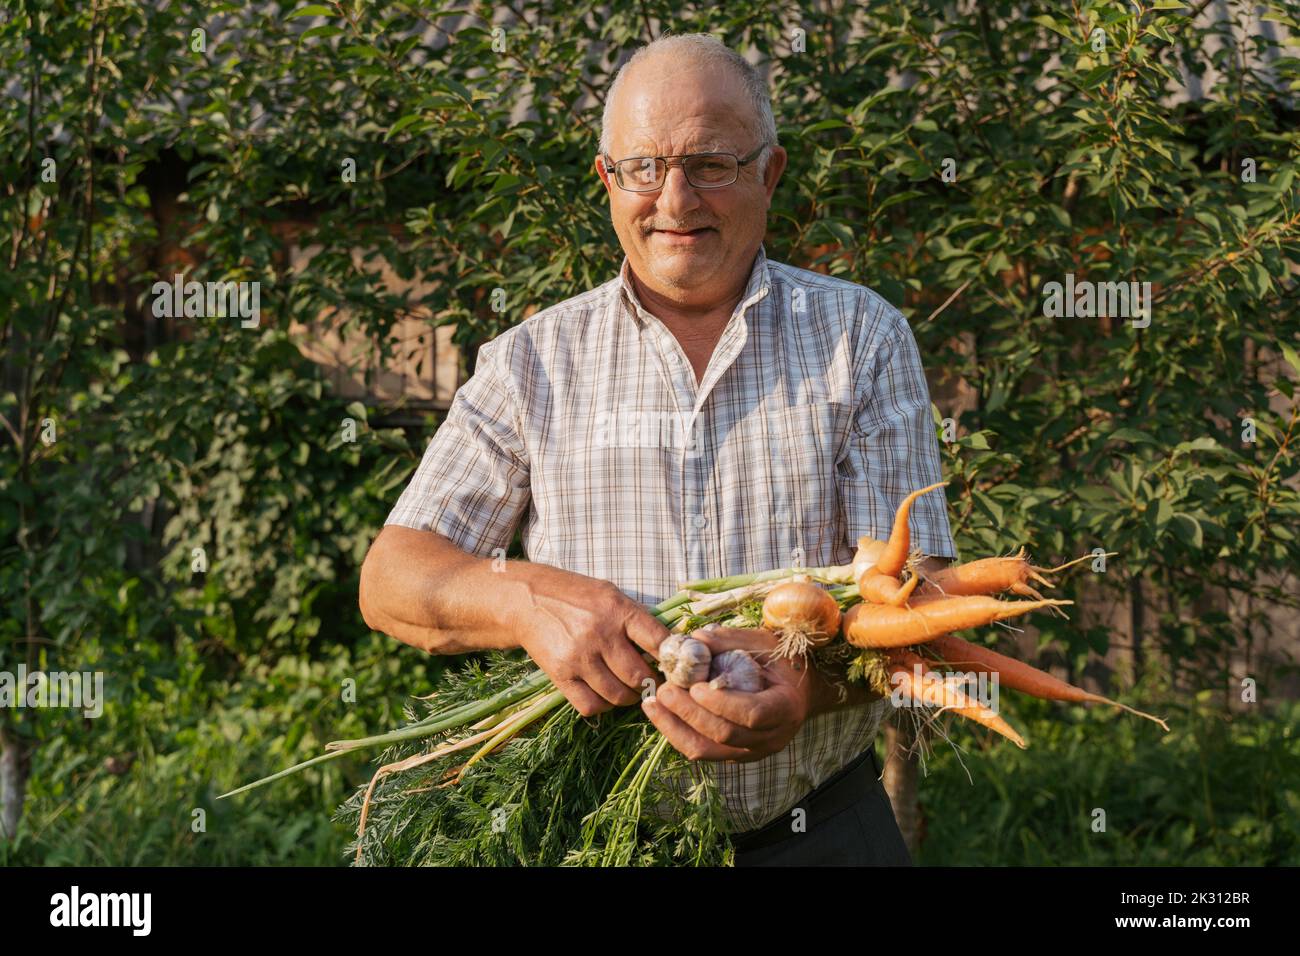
x: 1137, y: 612
x: 15, y: 765
x: 901, y: 783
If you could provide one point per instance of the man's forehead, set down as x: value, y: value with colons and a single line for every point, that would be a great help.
x: 724, y: 133
x: 649, y: 145
x: 691, y: 111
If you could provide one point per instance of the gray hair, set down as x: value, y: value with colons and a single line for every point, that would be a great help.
x: 706, y: 49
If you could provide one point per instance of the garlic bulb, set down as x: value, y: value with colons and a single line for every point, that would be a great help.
x: 803, y: 614
x: 736, y: 670
x: 684, y: 660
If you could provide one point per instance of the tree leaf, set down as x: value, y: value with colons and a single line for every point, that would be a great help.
x: 312, y: 10
x: 1131, y: 435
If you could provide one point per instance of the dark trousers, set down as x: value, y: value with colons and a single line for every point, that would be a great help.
x: 849, y: 822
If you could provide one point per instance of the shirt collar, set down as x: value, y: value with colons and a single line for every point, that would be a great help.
x: 757, y: 288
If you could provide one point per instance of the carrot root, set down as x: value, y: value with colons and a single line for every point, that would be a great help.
x: 894, y: 556
x: 1098, y: 699
x: 903, y: 669
x: 1017, y: 675
x: 1070, y: 564
x: 990, y: 576
x: 885, y: 589
x: 883, y: 626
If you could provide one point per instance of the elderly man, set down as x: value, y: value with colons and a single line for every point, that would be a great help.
x: 707, y: 412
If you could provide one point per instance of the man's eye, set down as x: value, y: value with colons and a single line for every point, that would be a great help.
x: 709, y: 167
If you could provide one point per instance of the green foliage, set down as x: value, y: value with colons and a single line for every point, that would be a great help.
x: 122, y: 790
x: 1219, y: 790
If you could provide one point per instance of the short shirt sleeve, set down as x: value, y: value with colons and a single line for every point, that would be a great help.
x: 892, y: 450
x: 472, y: 485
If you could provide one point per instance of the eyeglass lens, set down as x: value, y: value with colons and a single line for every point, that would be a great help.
x: 703, y: 169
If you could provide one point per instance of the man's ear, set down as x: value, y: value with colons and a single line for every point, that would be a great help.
x: 776, y: 162
x: 600, y: 171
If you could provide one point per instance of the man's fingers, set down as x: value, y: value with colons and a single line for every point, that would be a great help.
x: 584, y: 700
x: 762, y: 710
x: 627, y: 664
x: 710, y: 725
x: 602, y: 680
x: 644, y: 631
x: 759, y: 643
x: 689, y: 742
x: 719, y: 639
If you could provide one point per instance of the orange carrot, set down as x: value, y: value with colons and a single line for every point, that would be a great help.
x: 963, y: 655
x: 894, y: 556
x: 879, y: 625
x: 994, y: 575
x: 886, y: 589
x: 908, y: 672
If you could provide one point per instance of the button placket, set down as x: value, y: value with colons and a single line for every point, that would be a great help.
x: 680, y: 380
x: 679, y: 370
x: 732, y: 341
x: 694, y: 506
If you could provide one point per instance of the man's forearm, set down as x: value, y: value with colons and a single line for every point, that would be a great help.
x: 422, y: 589
x: 411, y: 582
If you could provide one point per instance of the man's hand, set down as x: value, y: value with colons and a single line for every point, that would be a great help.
x: 584, y: 634
x: 708, y: 724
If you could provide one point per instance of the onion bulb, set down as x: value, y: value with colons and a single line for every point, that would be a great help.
x: 864, y: 559
x: 803, y: 615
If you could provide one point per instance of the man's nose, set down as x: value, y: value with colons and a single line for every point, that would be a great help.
x: 677, y: 196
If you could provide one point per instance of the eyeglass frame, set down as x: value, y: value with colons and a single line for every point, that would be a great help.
x: 611, y: 167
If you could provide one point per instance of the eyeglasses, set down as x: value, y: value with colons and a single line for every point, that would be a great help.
x: 645, y: 174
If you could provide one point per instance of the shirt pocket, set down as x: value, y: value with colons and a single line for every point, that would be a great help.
x: 604, y: 497
x: 786, y: 460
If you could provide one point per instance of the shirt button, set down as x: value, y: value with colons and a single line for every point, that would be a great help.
x: 699, y: 521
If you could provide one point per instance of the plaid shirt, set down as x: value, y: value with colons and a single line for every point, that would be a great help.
x: 585, y: 422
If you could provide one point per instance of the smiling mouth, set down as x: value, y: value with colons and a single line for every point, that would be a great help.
x: 689, y: 232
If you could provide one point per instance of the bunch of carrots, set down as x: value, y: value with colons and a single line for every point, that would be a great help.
x: 897, y: 621
x: 905, y: 624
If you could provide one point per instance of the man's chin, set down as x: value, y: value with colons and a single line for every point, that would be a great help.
x: 686, y: 261
x: 684, y: 271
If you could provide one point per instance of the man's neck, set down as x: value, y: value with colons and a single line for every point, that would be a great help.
x: 696, y: 328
